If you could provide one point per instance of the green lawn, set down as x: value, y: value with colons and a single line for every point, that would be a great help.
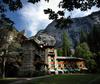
x: 61, y: 79
x: 6, y: 81
x: 68, y: 79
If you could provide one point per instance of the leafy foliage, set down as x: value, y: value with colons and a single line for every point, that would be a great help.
x: 82, y: 4
x: 5, y: 22
x: 83, y: 51
x: 33, y: 1
x: 70, y: 5
x: 52, y: 14
x: 94, y: 39
x: 14, y: 46
x: 63, y: 22
x: 11, y: 49
x: 91, y: 65
x: 14, y: 5
x: 94, y: 44
x: 36, y: 1
x: 97, y: 59
x: 83, y: 36
x: 59, y: 52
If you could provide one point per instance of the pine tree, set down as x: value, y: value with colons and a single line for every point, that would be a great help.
x: 66, y: 45
x: 59, y: 51
x: 83, y: 51
x: 94, y: 39
x: 83, y: 36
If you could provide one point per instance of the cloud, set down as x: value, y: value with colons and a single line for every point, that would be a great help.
x: 34, y: 18
x: 78, y: 13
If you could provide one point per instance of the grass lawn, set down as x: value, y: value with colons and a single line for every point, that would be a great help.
x: 6, y: 81
x: 68, y: 79
x: 61, y: 79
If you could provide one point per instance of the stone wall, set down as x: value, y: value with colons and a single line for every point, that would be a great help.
x: 27, y: 67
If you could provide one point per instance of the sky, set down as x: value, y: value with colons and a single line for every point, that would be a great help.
x: 31, y: 17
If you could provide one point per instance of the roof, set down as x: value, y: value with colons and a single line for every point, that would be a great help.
x: 68, y: 58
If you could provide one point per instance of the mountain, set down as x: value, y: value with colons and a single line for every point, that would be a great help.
x: 84, y: 24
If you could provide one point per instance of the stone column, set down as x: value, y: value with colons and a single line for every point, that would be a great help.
x: 46, y: 59
x: 56, y: 63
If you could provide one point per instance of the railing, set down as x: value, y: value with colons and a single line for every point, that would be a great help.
x: 51, y: 54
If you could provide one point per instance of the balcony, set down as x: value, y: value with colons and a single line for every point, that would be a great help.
x: 51, y: 54
x: 51, y: 50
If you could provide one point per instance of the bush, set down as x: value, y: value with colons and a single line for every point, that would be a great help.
x: 96, y: 81
x: 39, y: 73
x: 26, y: 74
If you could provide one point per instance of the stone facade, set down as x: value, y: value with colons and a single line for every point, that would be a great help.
x: 62, y: 64
x: 39, y: 55
x: 27, y: 67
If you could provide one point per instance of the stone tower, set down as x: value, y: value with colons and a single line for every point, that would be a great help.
x: 27, y: 68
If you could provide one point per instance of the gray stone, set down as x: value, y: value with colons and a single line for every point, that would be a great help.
x: 73, y: 30
x: 45, y: 39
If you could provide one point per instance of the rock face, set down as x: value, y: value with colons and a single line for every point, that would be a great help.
x: 79, y: 24
x: 46, y: 39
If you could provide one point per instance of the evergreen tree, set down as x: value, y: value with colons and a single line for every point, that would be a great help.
x: 94, y: 44
x: 83, y: 36
x: 59, y: 52
x: 83, y: 51
x: 94, y: 39
x: 66, y: 45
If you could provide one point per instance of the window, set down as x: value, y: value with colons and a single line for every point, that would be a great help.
x: 52, y: 65
x: 59, y: 65
x: 52, y: 60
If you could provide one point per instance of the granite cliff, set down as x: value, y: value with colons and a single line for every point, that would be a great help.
x: 83, y: 23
